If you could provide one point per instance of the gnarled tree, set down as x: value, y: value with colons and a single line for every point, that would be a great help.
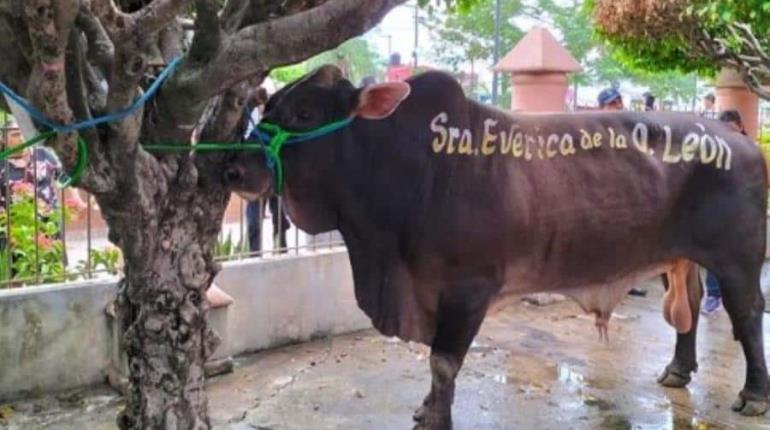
x: 690, y: 35
x: 80, y: 59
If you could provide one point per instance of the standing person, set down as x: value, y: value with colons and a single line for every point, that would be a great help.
x: 713, y: 295
x: 255, y: 209
x: 610, y: 100
x: 34, y: 170
x: 649, y: 101
x: 709, y: 106
x: 733, y: 120
x: 35, y: 166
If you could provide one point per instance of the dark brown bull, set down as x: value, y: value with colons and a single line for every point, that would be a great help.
x: 447, y: 205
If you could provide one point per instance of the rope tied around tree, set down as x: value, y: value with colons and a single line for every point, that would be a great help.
x: 272, y: 137
x: 55, y: 128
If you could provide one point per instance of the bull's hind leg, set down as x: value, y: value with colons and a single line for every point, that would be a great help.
x: 677, y: 372
x: 459, y: 320
x: 744, y: 304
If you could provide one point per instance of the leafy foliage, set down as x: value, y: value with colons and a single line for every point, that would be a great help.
x: 35, y: 253
x: 468, y: 36
x: 357, y: 53
x: 226, y: 247
x: 686, y: 35
x: 288, y: 74
x: 108, y: 259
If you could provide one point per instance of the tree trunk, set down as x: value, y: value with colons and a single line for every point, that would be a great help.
x: 162, y: 306
x: 77, y: 60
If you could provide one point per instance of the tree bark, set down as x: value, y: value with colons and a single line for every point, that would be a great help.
x: 167, y: 341
x: 79, y: 59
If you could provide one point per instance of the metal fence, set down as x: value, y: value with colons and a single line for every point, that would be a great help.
x: 43, y: 239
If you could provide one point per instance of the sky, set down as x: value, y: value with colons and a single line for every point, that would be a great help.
x: 398, y: 27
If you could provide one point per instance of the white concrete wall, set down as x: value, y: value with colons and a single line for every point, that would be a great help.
x: 289, y: 299
x: 56, y: 337
x: 53, y: 337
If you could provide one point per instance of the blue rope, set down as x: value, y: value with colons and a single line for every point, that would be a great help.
x: 111, y: 117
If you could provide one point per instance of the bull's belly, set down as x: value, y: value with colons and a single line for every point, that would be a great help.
x: 518, y: 280
x: 599, y: 298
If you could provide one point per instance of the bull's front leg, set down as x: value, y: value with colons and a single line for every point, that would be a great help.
x: 436, y: 410
x: 459, y: 319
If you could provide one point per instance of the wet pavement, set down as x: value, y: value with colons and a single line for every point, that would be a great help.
x: 530, y: 368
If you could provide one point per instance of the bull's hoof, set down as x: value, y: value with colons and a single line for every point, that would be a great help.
x: 750, y: 407
x: 434, y: 424
x: 431, y: 419
x: 673, y: 378
x: 419, y: 414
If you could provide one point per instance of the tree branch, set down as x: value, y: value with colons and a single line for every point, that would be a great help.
x: 156, y: 15
x: 15, y: 67
x: 49, y: 23
x: 98, y: 178
x: 750, y: 59
x: 208, y: 33
x: 101, y: 51
x: 238, y: 14
x: 113, y: 19
x: 291, y: 39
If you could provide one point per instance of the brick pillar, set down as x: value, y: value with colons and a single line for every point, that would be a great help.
x: 538, y: 92
x: 732, y: 93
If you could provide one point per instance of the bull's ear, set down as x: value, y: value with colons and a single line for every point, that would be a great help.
x: 377, y: 101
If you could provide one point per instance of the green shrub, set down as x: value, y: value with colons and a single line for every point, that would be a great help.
x: 35, y: 252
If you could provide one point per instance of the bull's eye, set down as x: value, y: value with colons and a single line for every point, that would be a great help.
x: 304, y: 115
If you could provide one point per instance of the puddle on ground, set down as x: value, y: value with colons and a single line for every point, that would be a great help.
x: 666, y: 419
x: 621, y: 422
x: 537, y: 371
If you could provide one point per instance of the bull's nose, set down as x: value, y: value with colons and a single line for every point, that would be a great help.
x: 233, y: 175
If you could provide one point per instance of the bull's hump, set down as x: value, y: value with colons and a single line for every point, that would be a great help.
x: 437, y: 83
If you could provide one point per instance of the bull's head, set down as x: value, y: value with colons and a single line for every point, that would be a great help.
x: 300, y: 125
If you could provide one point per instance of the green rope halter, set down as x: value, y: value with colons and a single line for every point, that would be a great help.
x: 278, y: 137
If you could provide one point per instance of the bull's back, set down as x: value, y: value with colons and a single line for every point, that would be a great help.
x: 589, y: 195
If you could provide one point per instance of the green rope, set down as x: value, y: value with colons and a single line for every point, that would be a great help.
x: 277, y: 137
x: 203, y: 147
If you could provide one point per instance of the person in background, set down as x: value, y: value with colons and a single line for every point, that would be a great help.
x: 610, y: 99
x: 649, y: 102
x: 34, y: 166
x: 35, y: 171
x: 255, y: 209
x: 733, y: 120
x: 709, y: 106
x: 367, y: 80
x: 713, y: 295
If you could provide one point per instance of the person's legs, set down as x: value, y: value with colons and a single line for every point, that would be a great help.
x: 280, y: 224
x: 713, y: 294
x: 254, y: 225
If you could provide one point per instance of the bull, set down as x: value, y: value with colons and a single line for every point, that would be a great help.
x: 447, y: 206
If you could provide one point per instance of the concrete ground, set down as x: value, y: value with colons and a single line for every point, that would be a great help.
x: 530, y: 368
